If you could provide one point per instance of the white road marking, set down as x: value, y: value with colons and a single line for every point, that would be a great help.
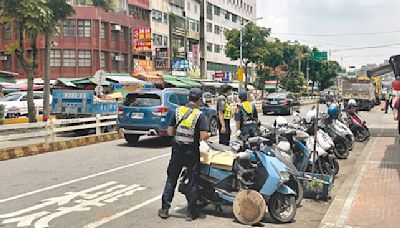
x: 81, y: 179
x: 122, y: 213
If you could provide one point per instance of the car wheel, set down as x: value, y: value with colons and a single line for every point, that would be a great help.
x: 132, y: 139
x: 290, y: 111
x: 214, y: 126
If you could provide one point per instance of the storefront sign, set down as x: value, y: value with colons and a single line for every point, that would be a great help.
x: 219, y: 75
x: 142, y: 46
x: 141, y: 40
x: 180, y: 64
x: 161, y: 60
x: 141, y: 33
x: 141, y: 65
x: 196, y: 55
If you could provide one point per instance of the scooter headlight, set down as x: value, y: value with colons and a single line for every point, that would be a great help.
x: 284, y: 175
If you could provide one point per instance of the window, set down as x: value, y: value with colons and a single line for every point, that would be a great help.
x: 234, y: 18
x: 157, y: 16
x: 142, y: 100
x: 165, y: 18
x: 55, y: 58
x: 69, y: 58
x: 179, y: 99
x: 38, y: 96
x: 217, y: 29
x: 114, y: 35
x: 195, y: 8
x: 85, y: 58
x: 114, y: 61
x: 84, y: 28
x: 194, y: 25
x: 217, y: 48
x: 103, y: 30
x: 217, y: 10
x: 103, y: 63
x: 165, y: 41
x: 157, y: 39
x: 209, y: 11
x: 209, y: 27
x: 69, y: 28
x: 7, y: 63
x: 188, y: 6
x: 209, y: 47
x: 228, y: 16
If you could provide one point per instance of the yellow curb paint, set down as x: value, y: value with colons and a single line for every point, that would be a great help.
x: 19, y: 152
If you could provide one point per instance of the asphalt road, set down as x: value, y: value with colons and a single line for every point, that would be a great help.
x: 115, y: 185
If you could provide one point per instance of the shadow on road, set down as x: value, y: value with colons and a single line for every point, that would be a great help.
x: 391, y: 159
x: 151, y: 142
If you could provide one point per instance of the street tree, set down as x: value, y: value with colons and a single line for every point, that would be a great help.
x: 29, y: 18
x: 253, y: 43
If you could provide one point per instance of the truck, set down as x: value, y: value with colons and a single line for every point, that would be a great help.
x: 72, y: 104
x: 361, y: 90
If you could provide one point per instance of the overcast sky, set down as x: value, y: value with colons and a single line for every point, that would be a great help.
x: 330, y: 17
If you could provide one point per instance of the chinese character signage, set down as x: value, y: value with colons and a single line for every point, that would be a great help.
x: 141, y: 39
x: 180, y: 64
x: 161, y: 60
x: 196, y: 55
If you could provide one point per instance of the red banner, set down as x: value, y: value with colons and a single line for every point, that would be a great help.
x: 219, y: 75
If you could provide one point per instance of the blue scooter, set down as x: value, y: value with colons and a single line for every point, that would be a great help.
x: 257, y: 178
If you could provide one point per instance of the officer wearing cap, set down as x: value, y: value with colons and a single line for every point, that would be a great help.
x: 188, y: 126
x: 246, y: 116
x: 224, y: 115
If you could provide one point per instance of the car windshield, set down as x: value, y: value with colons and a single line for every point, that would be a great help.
x: 11, y: 97
x: 277, y: 95
x: 142, y: 100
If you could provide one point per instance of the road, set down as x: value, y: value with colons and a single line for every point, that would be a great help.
x: 115, y: 185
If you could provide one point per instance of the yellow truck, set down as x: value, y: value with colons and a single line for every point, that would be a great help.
x: 377, y: 81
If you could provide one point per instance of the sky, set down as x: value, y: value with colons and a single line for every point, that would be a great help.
x: 312, y: 20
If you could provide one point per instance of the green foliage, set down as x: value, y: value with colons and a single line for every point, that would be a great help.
x: 107, y: 5
x: 253, y: 43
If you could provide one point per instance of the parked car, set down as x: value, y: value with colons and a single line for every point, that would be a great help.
x: 280, y: 102
x: 16, y: 103
x: 149, y: 112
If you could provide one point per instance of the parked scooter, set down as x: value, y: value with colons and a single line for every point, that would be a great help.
x: 255, y: 173
x: 356, y: 124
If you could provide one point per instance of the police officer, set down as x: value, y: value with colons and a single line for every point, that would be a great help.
x: 246, y: 116
x: 188, y: 126
x: 224, y: 115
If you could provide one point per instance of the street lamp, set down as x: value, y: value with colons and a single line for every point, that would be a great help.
x: 241, y: 47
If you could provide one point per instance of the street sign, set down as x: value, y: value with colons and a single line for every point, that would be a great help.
x: 240, y: 74
x: 319, y: 56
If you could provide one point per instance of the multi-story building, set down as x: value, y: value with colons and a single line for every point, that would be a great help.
x: 160, y: 33
x: 92, y: 39
x: 218, y: 16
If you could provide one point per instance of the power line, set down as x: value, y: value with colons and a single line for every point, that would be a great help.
x: 342, y: 34
x: 323, y: 43
x: 368, y: 47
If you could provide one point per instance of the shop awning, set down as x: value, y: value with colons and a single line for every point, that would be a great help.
x: 154, y: 79
x: 189, y: 81
x: 173, y: 81
x: 68, y: 81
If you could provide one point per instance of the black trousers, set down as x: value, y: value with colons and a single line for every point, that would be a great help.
x: 224, y: 138
x: 182, y: 156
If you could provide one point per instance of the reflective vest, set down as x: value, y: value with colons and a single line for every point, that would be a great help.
x: 186, y: 129
x: 228, y: 109
x: 247, y: 112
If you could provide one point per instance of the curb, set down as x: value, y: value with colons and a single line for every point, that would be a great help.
x: 41, y: 148
x: 333, y: 217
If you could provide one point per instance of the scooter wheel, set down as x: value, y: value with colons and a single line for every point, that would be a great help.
x: 341, y: 150
x: 332, y: 167
x: 282, y: 208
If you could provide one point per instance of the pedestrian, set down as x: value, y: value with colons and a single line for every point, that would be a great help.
x: 224, y: 115
x: 188, y: 126
x: 246, y: 116
x: 387, y: 102
x: 396, y: 111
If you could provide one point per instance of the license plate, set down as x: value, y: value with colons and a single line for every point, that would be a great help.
x: 137, y: 115
x: 274, y: 102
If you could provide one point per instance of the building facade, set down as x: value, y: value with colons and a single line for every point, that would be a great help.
x: 91, y: 40
x: 219, y: 16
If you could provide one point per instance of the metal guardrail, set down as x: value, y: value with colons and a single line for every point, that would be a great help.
x: 49, y: 129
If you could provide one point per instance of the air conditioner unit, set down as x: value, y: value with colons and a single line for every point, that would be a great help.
x: 118, y: 58
x: 3, y: 57
x: 116, y: 27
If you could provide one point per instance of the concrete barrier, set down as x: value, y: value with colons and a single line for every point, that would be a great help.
x: 41, y: 148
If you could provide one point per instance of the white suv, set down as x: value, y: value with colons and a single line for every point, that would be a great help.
x: 15, y: 104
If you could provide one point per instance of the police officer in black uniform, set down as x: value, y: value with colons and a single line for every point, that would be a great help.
x: 224, y: 115
x: 246, y: 116
x: 188, y: 126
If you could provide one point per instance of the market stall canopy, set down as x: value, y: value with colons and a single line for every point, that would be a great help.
x: 69, y: 82
x: 126, y: 79
x: 175, y: 82
x: 22, y: 87
x: 189, y: 81
x: 154, y: 79
x: 89, y: 80
x: 7, y: 77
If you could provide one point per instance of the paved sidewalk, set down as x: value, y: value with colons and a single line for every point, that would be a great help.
x: 371, y: 198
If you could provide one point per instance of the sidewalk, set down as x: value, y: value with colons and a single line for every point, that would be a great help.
x: 370, y: 198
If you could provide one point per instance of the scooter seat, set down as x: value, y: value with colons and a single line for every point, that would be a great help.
x: 220, y: 147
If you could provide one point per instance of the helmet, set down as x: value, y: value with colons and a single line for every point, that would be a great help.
x: 352, y: 102
x: 333, y: 111
x: 243, y: 95
x: 281, y: 121
x: 310, y: 116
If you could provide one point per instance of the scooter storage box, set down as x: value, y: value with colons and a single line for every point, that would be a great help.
x: 317, y: 188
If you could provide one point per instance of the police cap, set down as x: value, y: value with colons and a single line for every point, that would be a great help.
x: 195, y: 94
